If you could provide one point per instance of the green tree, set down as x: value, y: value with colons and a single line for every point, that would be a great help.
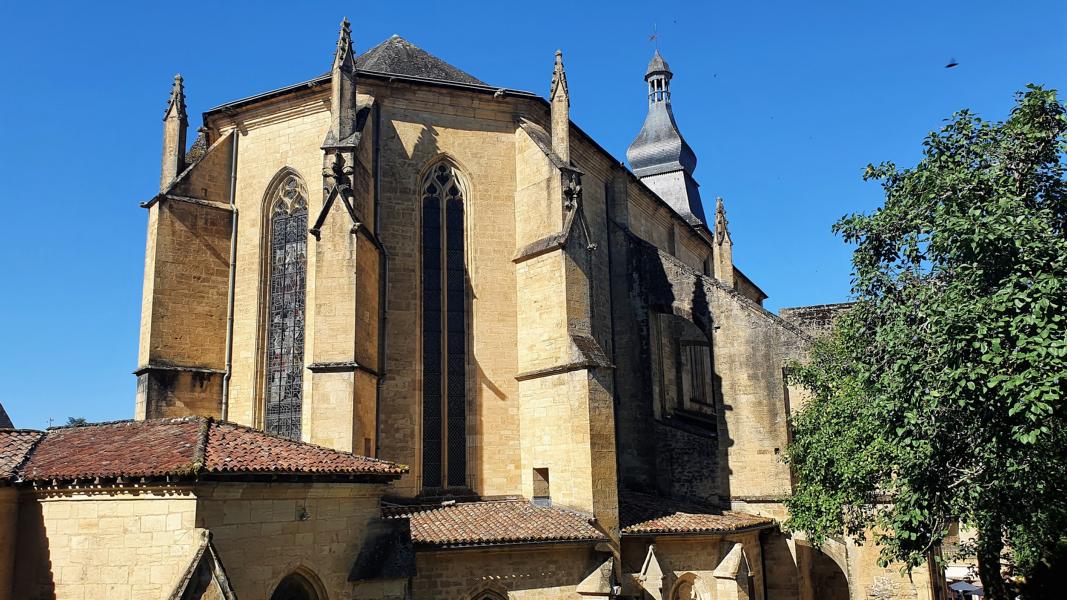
x: 942, y: 393
x: 73, y: 421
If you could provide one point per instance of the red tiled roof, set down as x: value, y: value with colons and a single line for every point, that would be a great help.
x: 191, y: 446
x: 494, y: 522
x: 15, y: 444
x: 641, y: 514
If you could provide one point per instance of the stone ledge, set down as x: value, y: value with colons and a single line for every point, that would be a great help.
x: 185, y: 368
x: 340, y: 367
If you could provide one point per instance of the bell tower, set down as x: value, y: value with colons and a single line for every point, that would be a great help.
x: 659, y: 155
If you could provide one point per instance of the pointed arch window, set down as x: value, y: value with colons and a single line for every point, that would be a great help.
x: 444, y: 331
x: 285, y: 312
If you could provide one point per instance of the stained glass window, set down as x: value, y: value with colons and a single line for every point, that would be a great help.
x: 285, y: 317
x: 444, y: 332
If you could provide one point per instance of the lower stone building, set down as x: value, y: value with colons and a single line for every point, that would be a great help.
x: 406, y: 334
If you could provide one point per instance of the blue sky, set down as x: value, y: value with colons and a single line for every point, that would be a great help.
x: 783, y: 102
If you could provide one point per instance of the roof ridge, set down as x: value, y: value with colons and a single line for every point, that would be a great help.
x: 200, y: 450
x: 217, y: 424
x: 163, y: 420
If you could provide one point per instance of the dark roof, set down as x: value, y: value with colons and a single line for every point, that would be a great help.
x: 494, y: 522
x: 657, y: 65
x: 641, y: 514
x: 5, y: 421
x: 15, y: 444
x: 399, y: 56
x: 190, y: 446
x: 659, y: 147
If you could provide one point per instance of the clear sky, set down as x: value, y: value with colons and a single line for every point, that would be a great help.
x: 783, y: 102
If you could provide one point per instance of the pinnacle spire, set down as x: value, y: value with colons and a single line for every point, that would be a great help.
x: 560, y: 102
x: 175, y: 126
x: 176, y: 101
x: 724, y: 247
x: 559, y: 80
x: 344, y: 57
x: 722, y: 231
x: 342, y: 91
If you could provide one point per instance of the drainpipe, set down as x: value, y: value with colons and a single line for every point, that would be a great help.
x: 383, y: 281
x: 224, y: 413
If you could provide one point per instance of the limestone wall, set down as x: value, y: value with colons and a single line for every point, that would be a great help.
x: 164, y: 393
x: 476, y: 133
x: 264, y: 532
x: 190, y: 265
x: 551, y: 573
x: 104, y: 544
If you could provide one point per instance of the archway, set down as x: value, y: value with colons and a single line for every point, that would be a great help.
x: 296, y: 586
x: 690, y: 587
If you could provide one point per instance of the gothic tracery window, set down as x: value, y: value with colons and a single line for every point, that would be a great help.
x: 285, y: 316
x: 444, y: 331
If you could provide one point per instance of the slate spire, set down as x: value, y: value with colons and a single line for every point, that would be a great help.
x: 560, y: 100
x: 659, y: 155
x: 175, y: 126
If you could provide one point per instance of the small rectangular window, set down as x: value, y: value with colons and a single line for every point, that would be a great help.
x: 542, y: 495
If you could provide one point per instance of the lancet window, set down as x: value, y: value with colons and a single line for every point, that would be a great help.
x: 287, y: 233
x: 444, y: 330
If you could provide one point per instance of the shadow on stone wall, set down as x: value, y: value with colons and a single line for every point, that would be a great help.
x: 33, y: 575
x: 674, y: 457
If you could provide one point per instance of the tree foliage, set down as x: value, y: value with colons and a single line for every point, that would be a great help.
x: 942, y: 393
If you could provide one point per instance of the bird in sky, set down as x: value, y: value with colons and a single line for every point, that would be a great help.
x: 951, y: 63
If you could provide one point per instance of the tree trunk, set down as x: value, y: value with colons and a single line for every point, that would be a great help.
x: 990, y: 546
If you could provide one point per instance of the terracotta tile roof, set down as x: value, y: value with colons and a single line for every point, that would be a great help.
x: 192, y: 446
x: 15, y: 444
x: 494, y: 522
x: 641, y: 514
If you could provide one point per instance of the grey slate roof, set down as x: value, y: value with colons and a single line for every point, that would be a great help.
x: 5, y: 421
x: 660, y: 147
x: 657, y: 65
x: 399, y: 56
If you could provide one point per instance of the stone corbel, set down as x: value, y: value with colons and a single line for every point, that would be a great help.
x: 571, y: 180
x: 338, y: 177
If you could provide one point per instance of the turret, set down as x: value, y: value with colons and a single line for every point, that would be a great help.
x: 175, y: 124
x: 659, y: 155
x: 560, y: 100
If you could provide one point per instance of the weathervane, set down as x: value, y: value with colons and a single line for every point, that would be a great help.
x: 654, y: 38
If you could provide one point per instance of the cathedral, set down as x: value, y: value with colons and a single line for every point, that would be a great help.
x: 409, y: 335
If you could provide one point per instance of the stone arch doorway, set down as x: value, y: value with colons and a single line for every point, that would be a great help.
x: 690, y: 587
x: 298, y: 586
x: 828, y: 581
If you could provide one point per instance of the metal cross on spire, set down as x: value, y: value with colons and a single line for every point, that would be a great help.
x: 654, y: 38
